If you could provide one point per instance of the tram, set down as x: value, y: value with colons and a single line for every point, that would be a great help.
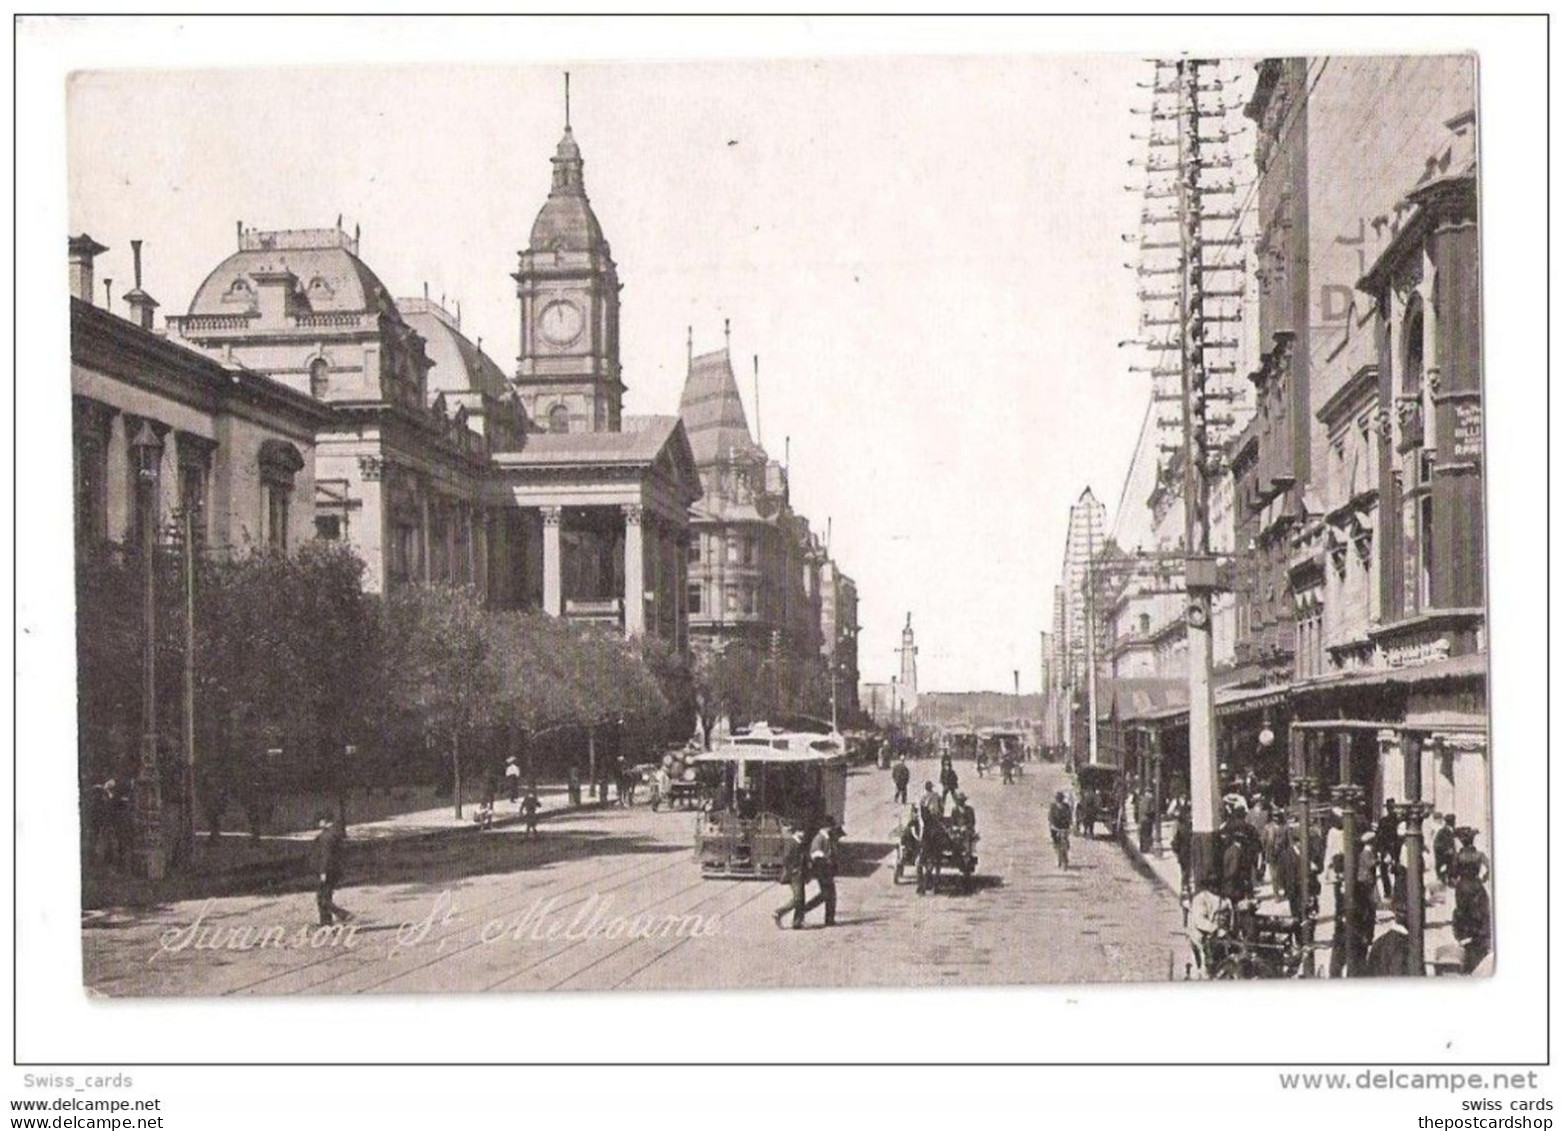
x: 770, y: 780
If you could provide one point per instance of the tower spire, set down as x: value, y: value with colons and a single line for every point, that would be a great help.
x: 689, y: 344
x: 727, y: 335
x: 567, y: 100
x: 759, y: 437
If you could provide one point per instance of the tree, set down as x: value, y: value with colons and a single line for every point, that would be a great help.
x: 439, y: 663
x: 731, y: 680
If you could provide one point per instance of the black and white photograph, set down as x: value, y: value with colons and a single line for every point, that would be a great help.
x: 658, y: 524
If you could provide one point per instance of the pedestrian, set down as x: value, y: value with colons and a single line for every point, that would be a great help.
x: 824, y: 862
x: 1007, y: 768
x: 1444, y: 849
x: 795, y: 874
x: 328, y: 849
x: 1468, y: 859
x: 1472, y: 920
x: 513, y: 780
x: 1386, y: 843
x: 1147, y: 824
x: 901, y: 775
x: 931, y: 807
x: 948, y: 778
x: 620, y: 776
x: 529, y: 807
x: 1271, y: 841
x: 1390, y: 956
x: 484, y: 817
x: 1183, y: 846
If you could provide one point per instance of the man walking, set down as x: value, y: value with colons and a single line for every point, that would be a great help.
x: 1443, y: 849
x: 822, y: 867
x: 901, y: 775
x: 513, y: 780
x: 327, y: 855
x: 795, y: 875
x: 1386, y: 844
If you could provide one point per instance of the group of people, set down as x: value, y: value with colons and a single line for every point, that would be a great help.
x: 1261, y: 843
x: 526, y: 803
x: 1007, y: 764
x: 818, y: 859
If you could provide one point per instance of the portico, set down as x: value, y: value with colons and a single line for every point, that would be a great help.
x: 603, y: 526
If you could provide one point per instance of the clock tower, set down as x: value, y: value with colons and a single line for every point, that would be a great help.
x: 568, y: 371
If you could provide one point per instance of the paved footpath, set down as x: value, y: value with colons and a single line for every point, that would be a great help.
x: 500, y: 911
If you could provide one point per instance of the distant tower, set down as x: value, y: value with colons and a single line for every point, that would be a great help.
x: 908, y: 666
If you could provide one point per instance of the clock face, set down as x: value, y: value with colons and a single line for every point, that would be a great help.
x: 561, y: 322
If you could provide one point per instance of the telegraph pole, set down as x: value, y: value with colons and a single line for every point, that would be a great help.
x: 1183, y: 101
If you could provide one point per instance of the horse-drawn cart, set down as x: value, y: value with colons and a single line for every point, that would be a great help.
x: 929, y: 847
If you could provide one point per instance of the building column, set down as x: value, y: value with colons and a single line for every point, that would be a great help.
x: 634, y: 572
x: 553, y: 587
x: 424, y: 540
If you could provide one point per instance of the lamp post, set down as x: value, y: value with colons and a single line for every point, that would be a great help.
x: 147, y: 449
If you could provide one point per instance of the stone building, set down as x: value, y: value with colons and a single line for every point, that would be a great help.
x: 1360, y: 488
x: 433, y: 464
x: 164, y: 440
x: 758, y: 575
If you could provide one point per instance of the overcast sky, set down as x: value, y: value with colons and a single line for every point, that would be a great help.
x: 924, y: 253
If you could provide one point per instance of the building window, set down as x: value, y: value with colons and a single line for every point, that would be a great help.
x: 559, y: 419
x: 277, y: 516
x: 328, y: 527
x: 732, y: 600
x: 695, y: 595
x: 694, y: 549
x: 749, y: 550
x: 279, y: 463
x: 319, y: 378
x: 734, y: 552
x: 91, y: 452
x: 192, y: 498
x: 748, y: 599
x: 404, y: 550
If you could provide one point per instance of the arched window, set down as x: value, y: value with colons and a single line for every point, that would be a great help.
x: 319, y: 378
x: 559, y: 419
x: 1411, y: 374
x: 279, y: 462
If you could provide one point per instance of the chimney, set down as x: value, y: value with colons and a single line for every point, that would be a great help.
x: 141, y: 304
x: 82, y: 250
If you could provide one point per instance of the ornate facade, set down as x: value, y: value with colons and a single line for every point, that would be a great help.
x: 435, y: 466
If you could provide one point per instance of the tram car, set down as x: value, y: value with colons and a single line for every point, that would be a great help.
x: 768, y: 780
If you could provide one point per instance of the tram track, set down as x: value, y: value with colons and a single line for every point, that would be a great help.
x: 437, y: 941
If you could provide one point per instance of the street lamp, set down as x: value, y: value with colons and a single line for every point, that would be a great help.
x: 147, y: 449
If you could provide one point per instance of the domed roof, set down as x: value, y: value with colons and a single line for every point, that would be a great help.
x: 330, y: 276
x: 566, y: 222
x: 459, y: 366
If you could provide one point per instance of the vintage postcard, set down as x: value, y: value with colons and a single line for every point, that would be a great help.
x: 858, y: 522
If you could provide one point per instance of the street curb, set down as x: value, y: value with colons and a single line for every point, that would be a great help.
x: 1138, y: 862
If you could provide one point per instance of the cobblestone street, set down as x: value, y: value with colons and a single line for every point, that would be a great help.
x: 470, y: 912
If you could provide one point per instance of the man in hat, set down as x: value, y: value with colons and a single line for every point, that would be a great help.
x: 1390, y: 956
x: 795, y: 863
x: 931, y: 807
x: 901, y: 775
x: 823, y: 864
x: 962, y: 815
x: 1443, y: 848
x: 513, y: 780
x: 1386, y: 843
x: 328, y: 850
